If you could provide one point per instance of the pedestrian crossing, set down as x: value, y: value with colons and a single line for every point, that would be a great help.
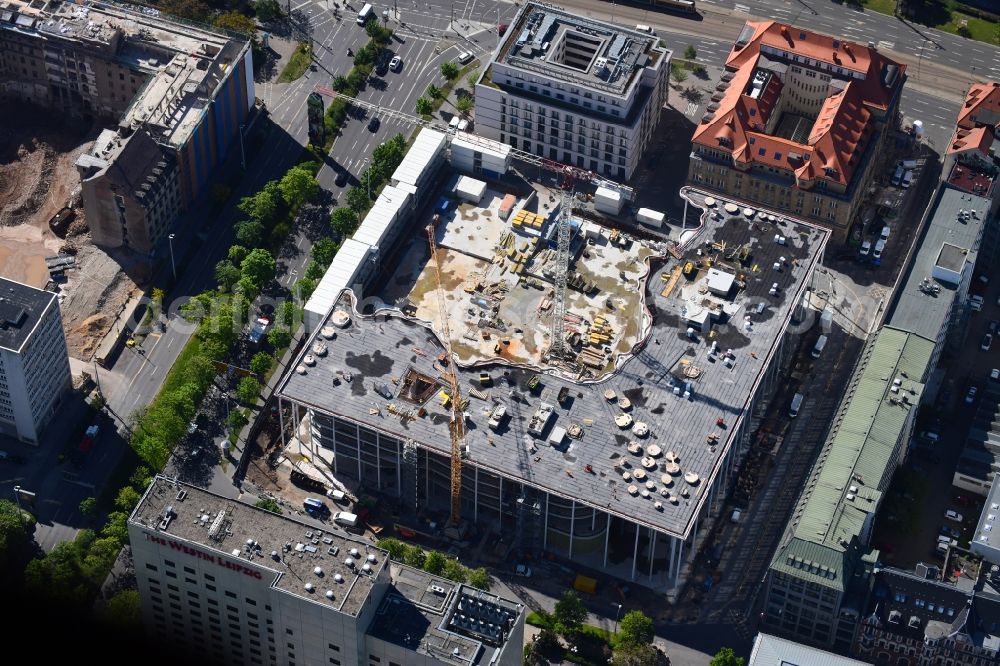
x: 886, y: 46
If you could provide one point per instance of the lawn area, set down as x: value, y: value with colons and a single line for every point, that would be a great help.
x: 944, y: 15
x: 297, y: 64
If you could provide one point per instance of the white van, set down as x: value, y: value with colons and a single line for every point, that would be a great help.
x: 820, y: 344
x: 885, y: 233
x: 907, y: 179
x: 642, y: 27
x: 365, y: 14
x: 909, y: 164
x: 797, y: 399
x: 346, y: 518
x: 897, y: 177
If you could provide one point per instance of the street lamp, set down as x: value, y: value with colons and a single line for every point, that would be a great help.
x: 173, y: 266
x: 17, y: 498
x: 243, y: 155
x: 617, y: 615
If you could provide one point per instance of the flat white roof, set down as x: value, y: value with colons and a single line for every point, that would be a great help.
x: 425, y: 148
x: 720, y: 282
x: 480, y: 144
x: 608, y: 193
x: 338, y: 276
x: 382, y: 215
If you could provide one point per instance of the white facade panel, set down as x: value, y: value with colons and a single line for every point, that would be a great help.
x: 347, y: 270
x: 426, y: 148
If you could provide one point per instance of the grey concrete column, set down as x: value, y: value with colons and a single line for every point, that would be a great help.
x: 475, y: 497
x: 635, y: 551
x: 281, y: 422
x: 652, y: 550
x: 607, y: 535
x: 357, y: 441
x: 572, y: 526
x: 378, y: 461
x: 545, y: 533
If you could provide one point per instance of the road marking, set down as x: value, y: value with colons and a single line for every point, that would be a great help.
x: 692, y: 108
x: 887, y: 46
x: 741, y: 9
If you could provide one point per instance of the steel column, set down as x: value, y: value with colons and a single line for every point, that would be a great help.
x: 635, y: 551
x: 607, y: 535
x: 572, y: 525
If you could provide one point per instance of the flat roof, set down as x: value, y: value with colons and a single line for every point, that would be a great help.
x: 450, y: 622
x: 185, y: 62
x: 223, y: 526
x: 21, y: 308
x: 770, y: 650
x: 383, y: 348
x: 602, y: 56
x: 986, y: 539
x: 922, y: 310
x: 822, y: 541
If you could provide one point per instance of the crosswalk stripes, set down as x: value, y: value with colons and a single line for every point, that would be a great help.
x: 692, y: 108
x: 741, y: 9
x: 888, y: 46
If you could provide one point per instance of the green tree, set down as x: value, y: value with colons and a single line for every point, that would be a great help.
x: 267, y: 10
x: 415, y: 557
x: 226, y: 274
x: 453, y: 570
x: 117, y: 526
x: 249, y: 232
x: 288, y: 314
x: 268, y: 504
x: 472, y: 79
x: 690, y: 53
x: 298, y: 186
x: 434, y: 92
x: 264, y: 205
x: 314, y: 270
x: 424, y: 106
x: 634, y: 655
x: 395, y: 547
x: 324, y: 250
x: 248, y: 390
x: 726, y: 657
x: 372, y: 27
x: 259, y: 267
x: 340, y: 83
x: 123, y: 610
x: 636, y: 629
x: 570, y: 613
x: 357, y: 199
x: 449, y: 70
x: 16, y: 534
x: 127, y: 499
x: 344, y: 222
x: 434, y: 562
x: 677, y: 73
x: 304, y: 288
x: 464, y: 104
x: 88, y: 506
x: 236, y: 22
x: 261, y: 363
x: 279, y: 337
x: 547, y: 643
x: 237, y: 419
x: 480, y: 578
x: 195, y: 10
x: 237, y: 253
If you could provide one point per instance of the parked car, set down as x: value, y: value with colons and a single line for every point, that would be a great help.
x: 931, y: 435
x: 995, y: 374
x: 942, y: 549
x: 522, y: 570
x: 396, y: 63
x: 970, y: 397
x: 987, y: 342
x: 962, y: 500
x: 950, y: 532
x: 465, y: 57
x: 953, y: 515
x: 866, y: 248
x: 993, y: 325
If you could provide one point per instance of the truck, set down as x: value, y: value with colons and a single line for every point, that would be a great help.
x: 346, y: 518
x: 89, y: 436
x: 826, y: 321
x: 258, y: 329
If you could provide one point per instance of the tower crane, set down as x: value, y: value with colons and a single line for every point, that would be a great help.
x: 456, y: 426
x: 568, y: 176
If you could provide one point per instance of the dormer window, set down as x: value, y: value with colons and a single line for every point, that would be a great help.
x: 753, y: 112
x: 762, y: 152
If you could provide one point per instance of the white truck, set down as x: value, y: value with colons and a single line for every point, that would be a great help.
x: 826, y: 321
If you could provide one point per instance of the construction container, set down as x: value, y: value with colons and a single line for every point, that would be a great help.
x: 470, y: 189
x: 475, y: 154
x: 650, y: 217
x: 507, y: 205
x: 585, y: 584
x: 826, y: 321
x: 607, y: 200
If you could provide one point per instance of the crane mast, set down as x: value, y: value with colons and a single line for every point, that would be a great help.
x: 456, y: 427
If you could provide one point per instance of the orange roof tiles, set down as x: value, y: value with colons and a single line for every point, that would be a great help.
x: 980, y: 138
x: 841, y: 131
x: 982, y: 97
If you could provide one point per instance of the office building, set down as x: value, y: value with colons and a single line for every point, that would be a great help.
x: 797, y: 123
x: 817, y: 578
x: 239, y: 585
x: 34, y: 363
x: 770, y: 650
x: 933, y: 615
x: 574, y: 90
x: 177, y: 93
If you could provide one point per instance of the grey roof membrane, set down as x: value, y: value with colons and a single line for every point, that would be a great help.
x: 21, y: 308
x: 376, y: 352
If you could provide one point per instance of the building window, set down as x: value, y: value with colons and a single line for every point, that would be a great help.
x: 151, y: 567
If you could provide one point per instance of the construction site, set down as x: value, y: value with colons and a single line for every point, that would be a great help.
x: 605, y: 427
x: 44, y: 241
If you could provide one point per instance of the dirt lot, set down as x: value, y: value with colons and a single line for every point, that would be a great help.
x: 37, y: 178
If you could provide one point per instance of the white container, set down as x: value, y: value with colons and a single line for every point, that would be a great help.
x: 607, y: 200
x: 648, y: 216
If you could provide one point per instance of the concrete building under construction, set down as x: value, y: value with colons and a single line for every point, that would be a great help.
x: 177, y: 93
x: 618, y: 454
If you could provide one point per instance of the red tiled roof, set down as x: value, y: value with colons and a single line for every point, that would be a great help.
x: 980, y: 138
x: 981, y: 97
x: 842, y: 128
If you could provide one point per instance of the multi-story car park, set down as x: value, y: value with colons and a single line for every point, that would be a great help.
x: 178, y: 94
x: 617, y: 463
x: 34, y: 364
x: 574, y: 90
x: 797, y: 123
x: 239, y: 585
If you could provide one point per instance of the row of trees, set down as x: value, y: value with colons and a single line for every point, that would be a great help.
x: 435, y: 563
x: 435, y: 94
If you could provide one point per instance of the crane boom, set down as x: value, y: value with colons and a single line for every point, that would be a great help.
x: 456, y: 427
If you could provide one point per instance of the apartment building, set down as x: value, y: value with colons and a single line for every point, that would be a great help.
x: 574, y: 90
x: 34, y: 363
x: 178, y: 95
x: 797, y: 123
x: 235, y: 584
